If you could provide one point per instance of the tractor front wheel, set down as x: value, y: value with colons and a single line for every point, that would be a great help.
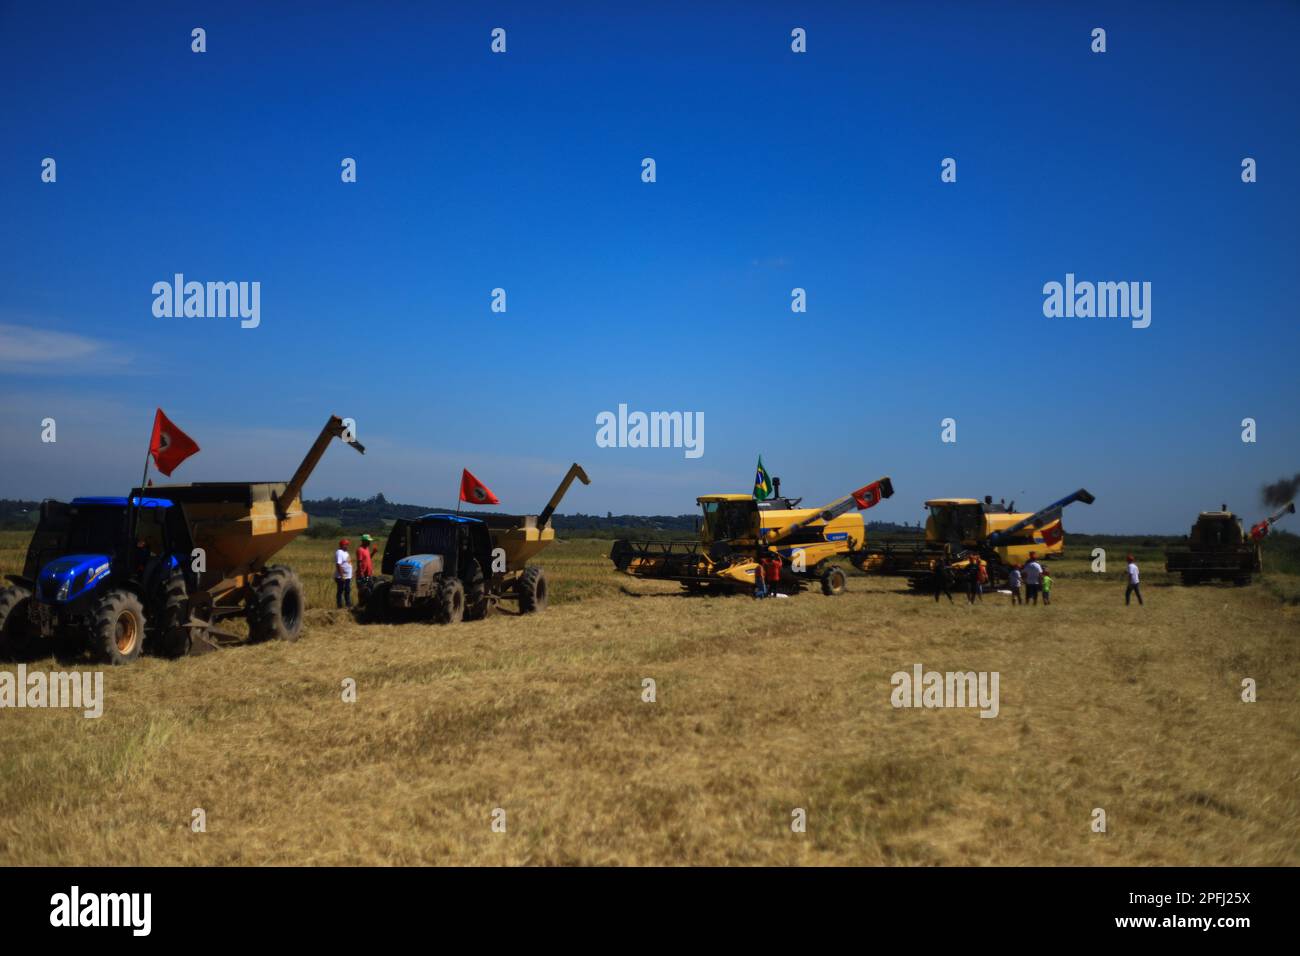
x: 117, y: 628
x: 276, y: 610
x: 449, y: 606
x: 533, y: 591
x: 16, y: 638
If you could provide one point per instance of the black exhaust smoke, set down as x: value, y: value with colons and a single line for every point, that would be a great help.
x: 1280, y: 491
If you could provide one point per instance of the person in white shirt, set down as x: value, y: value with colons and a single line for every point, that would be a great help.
x: 1033, y: 579
x: 1131, y: 575
x: 343, y: 575
x: 1013, y: 583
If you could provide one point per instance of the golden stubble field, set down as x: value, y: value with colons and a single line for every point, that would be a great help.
x: 763, y: 707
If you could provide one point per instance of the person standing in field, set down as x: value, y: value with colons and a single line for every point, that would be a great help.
x: 1133, y: 587
x: 365, y: 568
x: 943, y: 580
x: 972, y: 581
x: 760, y: 578
x: 1047, y: 587
x: 981, y: 578
x: 1013, y: 582
x: 343, y: 575
x: 1033, y: 579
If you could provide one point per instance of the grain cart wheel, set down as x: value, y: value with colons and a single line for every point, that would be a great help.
x: 172, y: 637
x: 833, y: 581
x: 449, y: 605
x: 117, y: 627
x: 532, y: 590
x: 276, y: 610
x: 478, y: 598
x: 16, y: 637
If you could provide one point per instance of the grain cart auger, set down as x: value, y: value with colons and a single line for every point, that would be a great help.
x: 1218, y: 549
x: 451, y: 567
x: 737, y: 530
x: 958, y: 529
x: 163, y: 567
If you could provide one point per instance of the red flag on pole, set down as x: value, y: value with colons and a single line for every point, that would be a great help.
x: 474, y: 491
x: 169, y: 446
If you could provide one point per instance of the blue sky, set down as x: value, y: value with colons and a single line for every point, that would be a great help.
x: 775, y: 170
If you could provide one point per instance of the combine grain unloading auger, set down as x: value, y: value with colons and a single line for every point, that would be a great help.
x: 737, y: 530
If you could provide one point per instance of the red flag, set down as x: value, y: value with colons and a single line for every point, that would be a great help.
x: 169, y: 445
x: 869, y: 496
x: 1053, y: 534
x: 474, y: 491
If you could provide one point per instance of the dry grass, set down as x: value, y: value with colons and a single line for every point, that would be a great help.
x: 762, y: 707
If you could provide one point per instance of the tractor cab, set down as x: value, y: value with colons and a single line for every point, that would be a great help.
x: 1217, y: 530
x: 80, y: 546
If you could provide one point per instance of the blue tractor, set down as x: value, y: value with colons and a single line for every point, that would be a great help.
x: 101, y: 573
x: 440, y: 569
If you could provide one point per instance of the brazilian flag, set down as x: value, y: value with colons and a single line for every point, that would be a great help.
x: 762, y: 482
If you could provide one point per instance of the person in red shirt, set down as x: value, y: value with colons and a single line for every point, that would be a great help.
x: 365, y: 567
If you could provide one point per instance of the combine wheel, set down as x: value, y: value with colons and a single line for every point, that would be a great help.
x: 276, y: 610
x: 117, y: 627
x: 16, y: 636
x: 532, y: 590
x: 833, y: 581
x: 449, y: 605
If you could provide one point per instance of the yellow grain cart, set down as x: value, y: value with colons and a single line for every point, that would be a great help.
x: 737, y: 530
x: 234, y: 529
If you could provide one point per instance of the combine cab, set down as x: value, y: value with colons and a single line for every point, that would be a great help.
x: 446, y: 568
x: 737, y: 529
x: 960, y: 529
x: 163, y: 570
x: 1218, y: 549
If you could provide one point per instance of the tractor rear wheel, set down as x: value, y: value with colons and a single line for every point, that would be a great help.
x: 833, y: 581
x: 16, y: 637
x: 449, y: 605
x: 171, y: 637
x: 117, y: 627
x: 533, y: 590
x: 478, y: 596
x: 276, y: 610
x: 375, y: 609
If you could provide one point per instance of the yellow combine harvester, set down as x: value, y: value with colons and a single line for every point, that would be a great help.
x: 960, y: 529
x: 738, y: 529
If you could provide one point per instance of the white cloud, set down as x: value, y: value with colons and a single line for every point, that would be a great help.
x: 28, y: 349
